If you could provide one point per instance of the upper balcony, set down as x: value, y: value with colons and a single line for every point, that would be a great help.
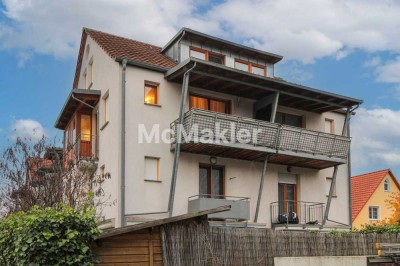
x: 251, y: 139
x: 223, y: 79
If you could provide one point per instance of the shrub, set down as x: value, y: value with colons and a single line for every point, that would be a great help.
x: 380, y: 228
x: 51, y: 236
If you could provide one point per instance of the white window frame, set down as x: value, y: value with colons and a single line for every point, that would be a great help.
x: 90, y: 72
x: 377, y: 213
x: 329, y: 179
x: 146, y: 178
x: 386, y: 182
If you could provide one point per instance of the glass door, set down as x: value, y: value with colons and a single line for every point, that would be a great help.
x: 211, y: 181
x: 86, y: 136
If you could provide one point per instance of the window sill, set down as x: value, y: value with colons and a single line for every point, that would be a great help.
x: 90, y: 85
x: 333, y: 196
x: 103, y: 126
x: 154, y: 181
x: 151, y: 104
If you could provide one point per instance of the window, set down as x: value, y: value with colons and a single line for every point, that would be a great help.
x: 106, y: 110
x: 289, y: 119
x: 207, y: 55
x: 373, y: 212
x: 90, y: 73
x: 386, y: 185
x: 216, y: 58
x: 211, y: 180
x: 250, y: 67
x: 329, y: 126
x: 150, y: 93
x: 328, y: 187
x: 210, y: 104
x: 87, y: 52
x: 152, y: 168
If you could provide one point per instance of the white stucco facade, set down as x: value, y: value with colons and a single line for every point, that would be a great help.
x: 242, y: 178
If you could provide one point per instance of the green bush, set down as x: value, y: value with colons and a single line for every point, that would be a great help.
x: 380, y: 229
x: 51, y: 236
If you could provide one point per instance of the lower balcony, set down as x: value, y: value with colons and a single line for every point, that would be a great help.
x: 222, y: 135
x: 84, y: 148
x: 289, y: 213
x: 240, y: 206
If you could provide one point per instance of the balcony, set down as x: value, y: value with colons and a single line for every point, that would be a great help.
x: 84, y: 148
x: 240, y: 207
x: 296, y: 213
x: 284, y: 144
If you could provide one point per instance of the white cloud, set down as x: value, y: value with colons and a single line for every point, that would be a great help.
x: 389, y: 72
x: 373, y: 62
x: 293, y: 71
x: 23, y: 57
x: 27, y: 128
x: 375, y: 139
x: 301, y: 30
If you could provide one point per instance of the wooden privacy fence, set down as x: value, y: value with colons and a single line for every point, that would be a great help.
x: 200, y: 244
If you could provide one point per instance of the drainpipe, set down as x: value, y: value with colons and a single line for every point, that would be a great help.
x: 178, y: 139
x: 122, y: 175
x: 349, y: 175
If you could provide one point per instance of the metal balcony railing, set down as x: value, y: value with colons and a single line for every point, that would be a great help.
x: 84, y: 147
x: 297, y: 212
x: 264, y: 136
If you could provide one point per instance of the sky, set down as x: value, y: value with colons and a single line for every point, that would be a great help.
x: 346, y: 47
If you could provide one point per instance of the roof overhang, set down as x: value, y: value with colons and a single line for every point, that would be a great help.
x: 223, y: 79
x: 90, y: 97
x: 189, y: 34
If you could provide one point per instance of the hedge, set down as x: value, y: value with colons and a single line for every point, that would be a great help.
x: 51, y: 236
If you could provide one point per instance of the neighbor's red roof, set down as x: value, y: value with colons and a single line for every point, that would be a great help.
x: 120, y: 47
x: 363, y: 186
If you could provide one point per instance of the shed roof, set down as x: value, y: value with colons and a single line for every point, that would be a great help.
x: 137, y: 227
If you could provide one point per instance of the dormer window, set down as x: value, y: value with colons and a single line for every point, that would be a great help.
x: 386, y: 185
x: 250, y: 67
x: 207, y: 55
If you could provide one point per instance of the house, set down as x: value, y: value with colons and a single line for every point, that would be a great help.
x: 369, y: 194
x: 203, y: 122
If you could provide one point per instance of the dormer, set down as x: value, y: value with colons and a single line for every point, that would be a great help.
x: 189, y: 43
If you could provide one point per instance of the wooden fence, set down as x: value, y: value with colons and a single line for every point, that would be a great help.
x: 200, y: 244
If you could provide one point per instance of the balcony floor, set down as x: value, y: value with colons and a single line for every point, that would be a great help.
x: 258, y: 154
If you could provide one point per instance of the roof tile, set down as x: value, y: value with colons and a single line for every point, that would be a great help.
x: 120, y: 47
x: 363, y: 186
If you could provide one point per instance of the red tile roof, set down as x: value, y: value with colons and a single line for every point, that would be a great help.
x: 363, y: 186
x: 120, y: 47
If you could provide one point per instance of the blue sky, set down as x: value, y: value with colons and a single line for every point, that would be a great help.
x: 347, y: 47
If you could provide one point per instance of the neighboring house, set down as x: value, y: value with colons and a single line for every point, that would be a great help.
x: 37, y: 167
x: 369, y: 194
x: 284, y: 141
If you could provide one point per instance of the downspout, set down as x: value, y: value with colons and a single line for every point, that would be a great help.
x: 122, y: 175
x: 178, y: 139
x: 349, y: 171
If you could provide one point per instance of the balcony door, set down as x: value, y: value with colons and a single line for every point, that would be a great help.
x: 86, y: 136
x: 287, y: 193
x: 211, y: 181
